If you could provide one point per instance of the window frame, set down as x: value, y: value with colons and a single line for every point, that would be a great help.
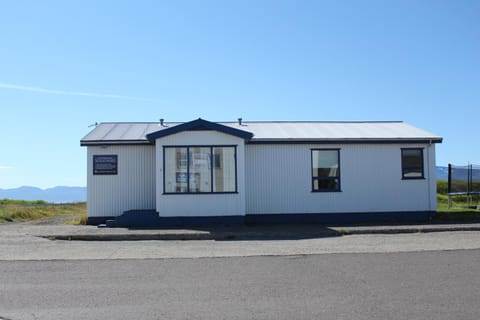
x: 404, y: 169
x: 104, y: 172
x: 337, y: 177
x: 211, y: 147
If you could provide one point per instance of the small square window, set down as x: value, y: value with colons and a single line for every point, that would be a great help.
x: 412, y: 163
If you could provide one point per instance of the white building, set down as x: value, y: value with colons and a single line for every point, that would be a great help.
x: 204, y: 172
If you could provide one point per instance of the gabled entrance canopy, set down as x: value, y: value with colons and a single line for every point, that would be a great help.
x: 198, y: 125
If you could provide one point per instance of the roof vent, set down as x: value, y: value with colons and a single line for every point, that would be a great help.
x: 161, y: 121
x: 239, y: 121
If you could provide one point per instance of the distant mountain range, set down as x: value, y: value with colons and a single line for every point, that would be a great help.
x: 54, y: 195
x: 442, y: 173
x: 458, y: 173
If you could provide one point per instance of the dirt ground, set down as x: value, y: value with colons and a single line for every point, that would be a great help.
x: 55, y: 220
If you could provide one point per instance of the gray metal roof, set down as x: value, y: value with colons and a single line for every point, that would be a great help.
x: 280, y: 131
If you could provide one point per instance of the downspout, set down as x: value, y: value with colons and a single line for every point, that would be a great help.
x: 429, y: 177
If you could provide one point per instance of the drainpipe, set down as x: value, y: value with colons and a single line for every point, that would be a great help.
x: 429, y: 178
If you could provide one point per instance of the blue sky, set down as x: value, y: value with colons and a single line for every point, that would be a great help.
x: 67, y: 64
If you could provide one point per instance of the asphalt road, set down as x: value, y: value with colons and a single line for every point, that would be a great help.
x: 397, y: 285
x: 16, y: 246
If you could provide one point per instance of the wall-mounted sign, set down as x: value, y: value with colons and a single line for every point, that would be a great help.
x: 105, y: 164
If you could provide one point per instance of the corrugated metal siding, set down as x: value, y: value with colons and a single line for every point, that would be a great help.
x: 278, y: 180
x: 201, y: 204
x: 132, y: 188
x: 432, y: 173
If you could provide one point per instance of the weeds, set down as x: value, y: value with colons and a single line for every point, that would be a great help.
x: 18, y: 210
x: 459, y: 210
x: 80, y: 219
x: 22, y: 202
x: 343, y: 232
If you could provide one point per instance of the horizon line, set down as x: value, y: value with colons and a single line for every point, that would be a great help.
x: 40, y: 188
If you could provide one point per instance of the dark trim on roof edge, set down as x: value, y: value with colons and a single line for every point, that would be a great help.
x: 115, y: 143
x: 200, y: 124
x: 317, y: 141
x: 346, y: 141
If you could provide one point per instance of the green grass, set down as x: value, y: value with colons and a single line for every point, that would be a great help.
x: 460, y: 211
x: 21, y: 202
x: 19, y: 210
x: 343, y: 232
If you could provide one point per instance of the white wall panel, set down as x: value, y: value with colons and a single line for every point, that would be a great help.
x: 270, y: 179
x: 132, y: 188
x: 278, y: 180
x: 201, y: 204
x: 431, y: 172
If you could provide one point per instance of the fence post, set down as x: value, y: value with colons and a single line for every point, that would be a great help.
x: 470, y: 177
x: 449, y: 190
x: 469, y: 185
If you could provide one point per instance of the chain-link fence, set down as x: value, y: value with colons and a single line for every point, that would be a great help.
x: 463, y: 181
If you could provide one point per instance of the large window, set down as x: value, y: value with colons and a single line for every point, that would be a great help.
x: 325, y: 170
x: 412, y: 163
x: 200, y: 169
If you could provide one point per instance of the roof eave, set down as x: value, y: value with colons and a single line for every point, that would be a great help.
x: 347, y: 141
x: 86, y: 143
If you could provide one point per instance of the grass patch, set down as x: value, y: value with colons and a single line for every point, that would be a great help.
x: 22, y: 202
x: 343, y: 232
x: 79, y: 219
x: 460, y: 211
x: 19, y: 210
